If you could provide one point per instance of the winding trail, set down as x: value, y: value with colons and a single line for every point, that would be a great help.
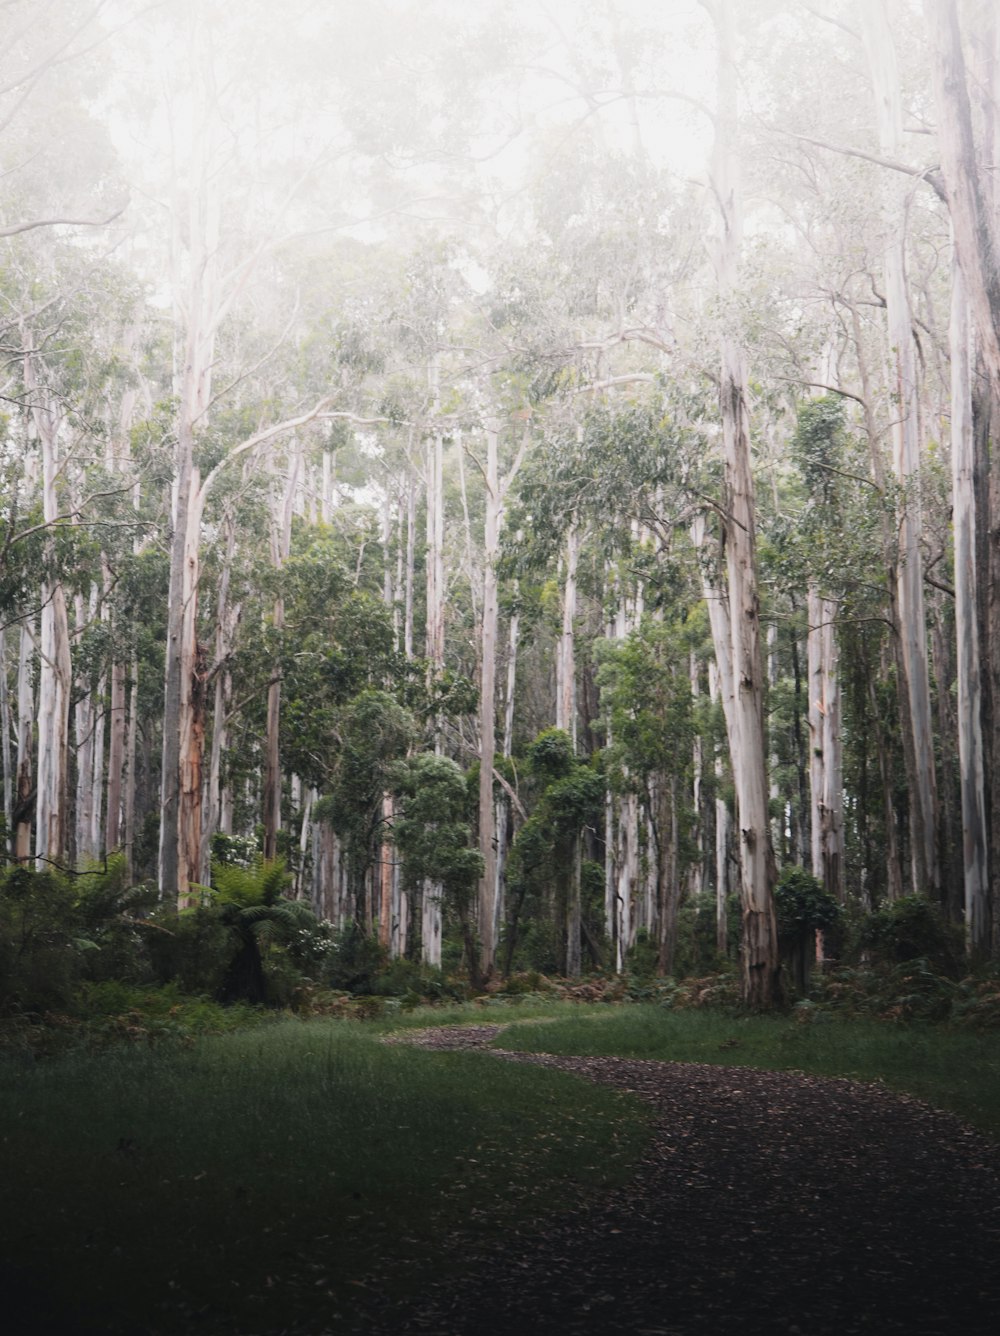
x: 767, y: 1202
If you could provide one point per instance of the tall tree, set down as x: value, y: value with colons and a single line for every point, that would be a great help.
x: 758, y: 870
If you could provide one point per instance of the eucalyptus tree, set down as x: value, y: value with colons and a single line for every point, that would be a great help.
x: 971, y: 195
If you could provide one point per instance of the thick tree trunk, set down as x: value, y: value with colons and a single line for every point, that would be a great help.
x: 431, y: 900
x: 573, y: 910
x: 972, y: 194
x: 54, y: 682
x: 970, y: 738
x: 722, y: 834
x: 825, y: 748
x: 906, y: 454
x: 116, y: 757
x: 386, y: 869
x: 760, y: 987
x: 281, y: 542
x: 24, y: 780
x: 721, y: 689
x: 184, y: 671
x: 55, y: 674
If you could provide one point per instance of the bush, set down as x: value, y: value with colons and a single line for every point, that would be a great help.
x: 41, y: 941
x: 57, y: 929
x: 354, y: 962
x: 803, y: 907
x: 912, y: 928
x: 697, y: 953
x: 192, y: 948
x: 642, y: 959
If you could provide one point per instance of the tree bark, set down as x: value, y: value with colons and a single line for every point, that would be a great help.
x: 906, y: 455
x: 825, y: 755
x: 487, y: 706
x: 760, y: 984
x: 970, y: 738
x: 566, y: 664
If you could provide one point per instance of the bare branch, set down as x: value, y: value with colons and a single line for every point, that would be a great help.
x: 634, y: 378
x: 16, y: 228
x: 932, y: 174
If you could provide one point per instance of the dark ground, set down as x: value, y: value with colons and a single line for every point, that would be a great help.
x: 768, y: 1202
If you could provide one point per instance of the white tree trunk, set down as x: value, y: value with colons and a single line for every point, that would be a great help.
x: 487, y: 706
x: 825, y: 746
x: 758, y: 873
x: 55, y: 675
x: 431, y: 903
x: 722, y: 829
x: 566, y: 674
x: 970, y: 737
x: 906, y: 451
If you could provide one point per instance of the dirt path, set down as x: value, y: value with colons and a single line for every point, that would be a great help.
x: 767, y: 1202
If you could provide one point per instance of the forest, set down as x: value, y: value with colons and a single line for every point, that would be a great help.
x: 499, y: 667
x: 499, y: 492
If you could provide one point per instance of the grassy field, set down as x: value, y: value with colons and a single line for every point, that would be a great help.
x: 256, y: 1180
x: 273, y: 1174
x: 953, y: 1069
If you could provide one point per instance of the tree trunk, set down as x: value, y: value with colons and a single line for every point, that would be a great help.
x: 760, y: 987
x: 5, y: 736
x: 566, y: 666
x: 431, y: 901
x: 183, y: 695
x: 24, y: 802
x: 906, y: 454
x: 116, y: 757
x: 972, y: 194
x: 573, y: 910
x: 970, y: 738
x: 55, y: 675
x: 487, y: 707
x: 825, y: 754
x: 722, y: 832
x: 281, y: 542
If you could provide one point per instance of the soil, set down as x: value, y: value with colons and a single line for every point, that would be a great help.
x: 767, y: 1202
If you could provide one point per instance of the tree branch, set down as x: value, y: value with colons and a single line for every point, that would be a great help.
x: 932, y: 174
x: 16, y: 228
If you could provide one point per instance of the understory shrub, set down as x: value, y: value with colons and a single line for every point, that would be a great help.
x: 57, y: 929
x: 912, y: 928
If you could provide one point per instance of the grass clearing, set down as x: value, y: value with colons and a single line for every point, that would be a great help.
x: 268, y: 1175
x: 952, y: 1069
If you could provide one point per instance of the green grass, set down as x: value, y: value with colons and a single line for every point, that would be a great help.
x: 952, y: 1069
x: 264, y: 1177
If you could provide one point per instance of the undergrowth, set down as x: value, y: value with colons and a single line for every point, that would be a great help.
x: 265, y: 1176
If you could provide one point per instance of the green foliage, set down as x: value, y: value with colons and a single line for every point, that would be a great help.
x: 802, y: 905
x: 57, y: 929
x: 697, y: 953
x: 265, y: 927
x: 355, y: 961
x: 569, y: 797
x: 41, y: 941
x: 260, y: 883
x: 433, y: 830
x: 551, y: 755
x: 912, y: 928
x: 642, y: 958
x: 191, y: 949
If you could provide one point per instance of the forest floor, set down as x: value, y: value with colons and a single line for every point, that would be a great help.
x: 768, y: 1202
